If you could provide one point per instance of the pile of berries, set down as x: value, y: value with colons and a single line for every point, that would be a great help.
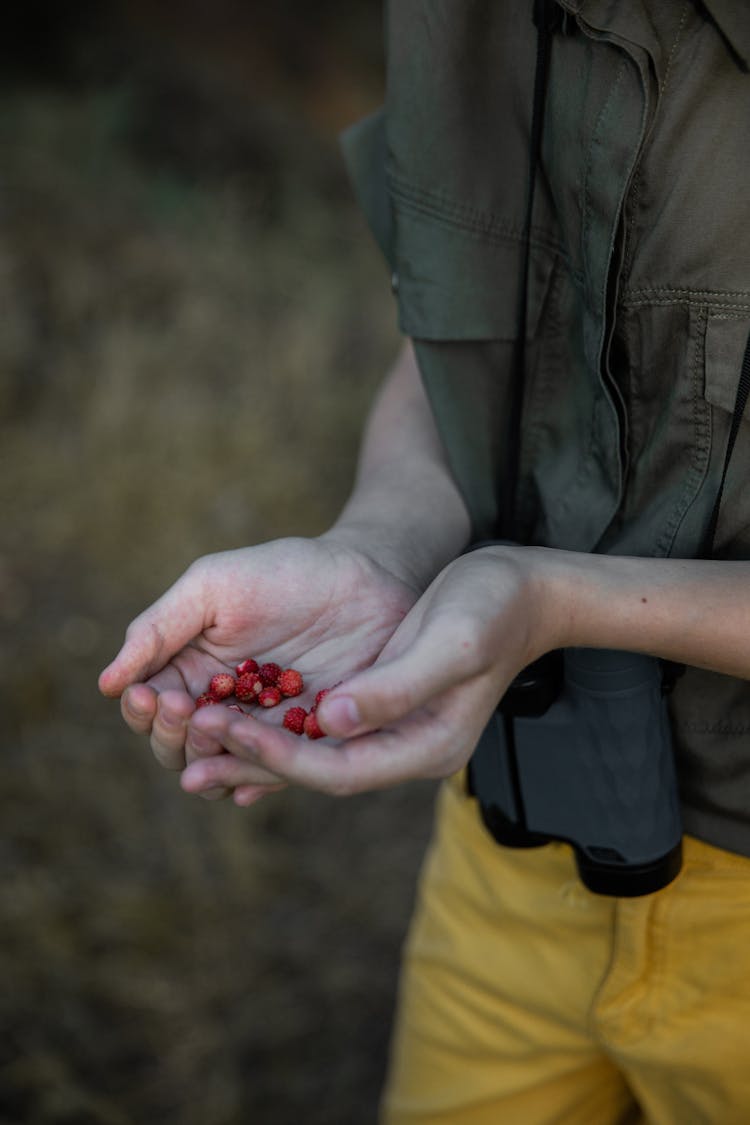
x: 265, y: 685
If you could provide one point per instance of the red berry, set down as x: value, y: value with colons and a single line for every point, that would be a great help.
x: 269, y: 697
x: 248, y: 687
x: 221, y: 685
x: 246, y: 666
x: 205, y: 700
x: 324, y: 692
x: 269, y: 673
x: 290, y: 682
x: 311, y: 728
x: 294, y: 719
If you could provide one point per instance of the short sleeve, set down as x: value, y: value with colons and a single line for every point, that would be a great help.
x: 364, y: 149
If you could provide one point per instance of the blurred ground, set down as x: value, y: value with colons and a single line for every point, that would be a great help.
x: 190, y: 300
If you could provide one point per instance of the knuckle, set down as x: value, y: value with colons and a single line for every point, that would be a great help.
x: 195, y: 569
x: 139, y: 724
x: 401, y: 698
x: 397, y: 700
x: 134, y: 628
x: 197, y: 572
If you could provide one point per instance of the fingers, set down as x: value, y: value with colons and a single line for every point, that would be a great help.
x: 228, y: 772
x: 469, y: 628
x: 174, y: 743
x: 246, y: 795
x: 422, y: 746
x: 157, y: 634
x: 165, y: 717
x: 169, y: 727
x: 138, y: 708
x: 238, y: 779
x: 444, y: 654
x: 210, y: 766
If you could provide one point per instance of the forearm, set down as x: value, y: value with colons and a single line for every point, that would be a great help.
x: 405, y: 506
x: 689, y: 611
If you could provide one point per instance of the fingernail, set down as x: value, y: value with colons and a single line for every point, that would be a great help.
x: 190, y: 778
x: 101, y: 678
x: 341, y: 715
x: 137, y: 712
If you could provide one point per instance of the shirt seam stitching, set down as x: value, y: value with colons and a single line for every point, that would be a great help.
x: 453, y: 215
x: 736, y: 300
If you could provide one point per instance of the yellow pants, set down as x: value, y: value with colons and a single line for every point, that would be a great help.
x: 525, y: 999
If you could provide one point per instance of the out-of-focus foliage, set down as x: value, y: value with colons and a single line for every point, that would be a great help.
x: 190, y: 301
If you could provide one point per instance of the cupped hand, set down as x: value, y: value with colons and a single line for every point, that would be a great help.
x: 419, y: 709
x: 311, y: 604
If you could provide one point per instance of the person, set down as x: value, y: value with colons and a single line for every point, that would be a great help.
x: 525, y: 997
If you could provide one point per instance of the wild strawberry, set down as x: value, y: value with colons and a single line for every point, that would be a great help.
x: 324, y: 692
x: 294, y: 719
x: 311, y: 728
x: 248, y: 687
x: 290, y: 682
x: 221, y: 685
x: 246, y: 666
x: 269, y: 673
x: 205, y: 700
x: 269, y: 697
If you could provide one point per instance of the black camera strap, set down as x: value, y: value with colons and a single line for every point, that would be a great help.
x: 548, y: 17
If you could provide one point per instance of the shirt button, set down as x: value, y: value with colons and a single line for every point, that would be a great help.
x: 394, y: 282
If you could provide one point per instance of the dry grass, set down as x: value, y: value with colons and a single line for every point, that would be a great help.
x: 168, y: 341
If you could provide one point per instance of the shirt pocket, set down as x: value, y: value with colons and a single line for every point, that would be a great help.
x: 726, y: 338
x: 725, y: 342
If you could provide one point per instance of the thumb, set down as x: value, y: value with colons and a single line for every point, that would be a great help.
x: 156, y: 635
x: 393, y: 688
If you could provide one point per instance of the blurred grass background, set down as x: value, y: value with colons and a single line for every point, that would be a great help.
x: 190, y: 305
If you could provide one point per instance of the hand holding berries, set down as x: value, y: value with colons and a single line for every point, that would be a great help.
x: 294, y: 602
x: 419, y: 708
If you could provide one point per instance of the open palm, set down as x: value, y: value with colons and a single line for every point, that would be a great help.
x: 325, y: 610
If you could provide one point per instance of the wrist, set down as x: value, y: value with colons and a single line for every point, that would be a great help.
x: 411, y: 529
x: 556, y: 590
x: 605, y: 601
x: 413, y: 559
x: 540, y: 583
x: 575, y: 598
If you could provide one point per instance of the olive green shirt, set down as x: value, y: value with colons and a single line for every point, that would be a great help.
x: 639, y: 289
